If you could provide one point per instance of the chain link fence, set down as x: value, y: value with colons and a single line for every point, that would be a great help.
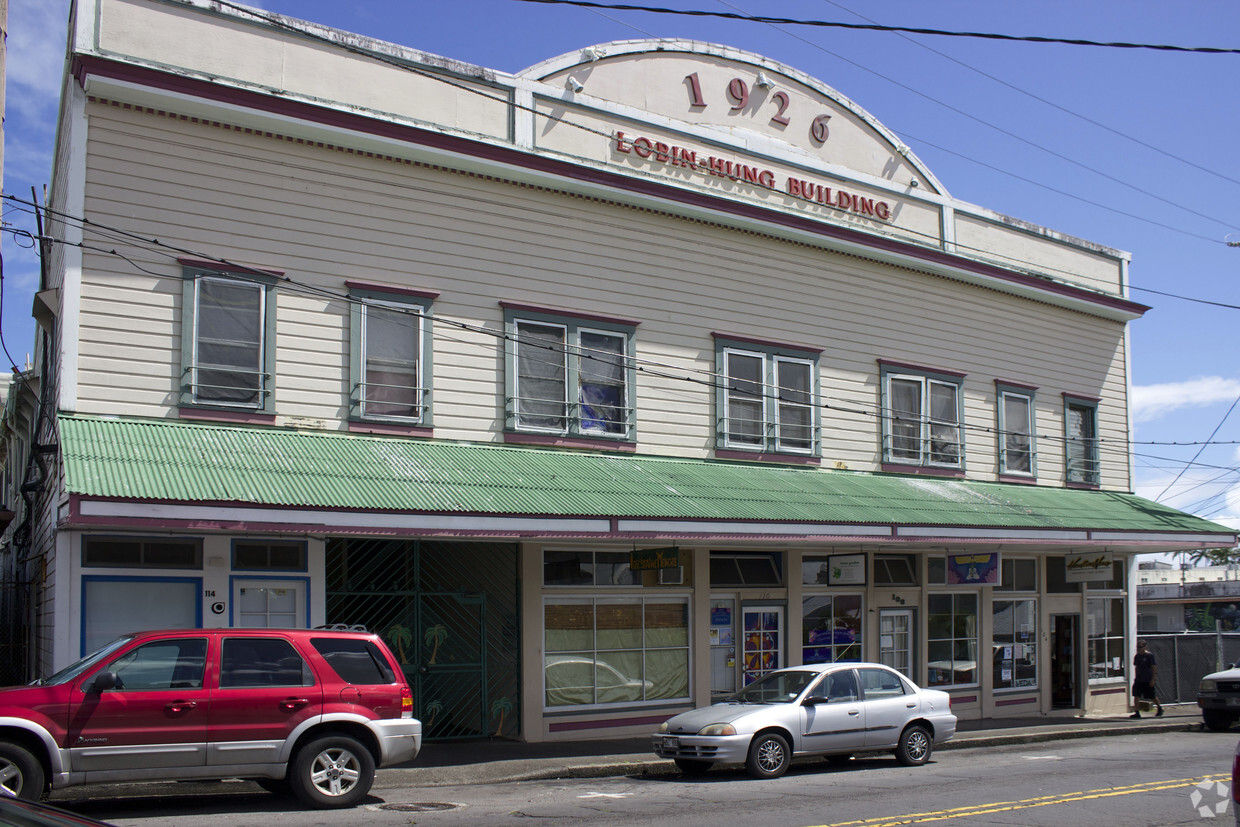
x: 1184, y: 659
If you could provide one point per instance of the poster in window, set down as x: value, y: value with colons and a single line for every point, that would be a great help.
x: 846, y: 570
x: 973, y: 569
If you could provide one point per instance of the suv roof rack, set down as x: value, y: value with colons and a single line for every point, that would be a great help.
x: 344, y: 627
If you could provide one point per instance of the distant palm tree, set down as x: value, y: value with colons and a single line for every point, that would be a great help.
x: 500, y: 705
x: 400, y: 637
x: 434, y: 636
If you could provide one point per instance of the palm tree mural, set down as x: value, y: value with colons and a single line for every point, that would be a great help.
x: 433, y: 709
x: 502, y: 706
x: 434, y: 636
x: 400, y: 637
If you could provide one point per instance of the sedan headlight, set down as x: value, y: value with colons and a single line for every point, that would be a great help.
x: 1209, y: 686
x: 717, y: 729
x: 663, y: 727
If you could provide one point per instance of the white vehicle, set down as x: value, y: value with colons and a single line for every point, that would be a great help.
x: 1219, y: 698
x: 833, y: 710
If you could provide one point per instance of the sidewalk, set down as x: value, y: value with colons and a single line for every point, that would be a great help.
x: 486, y: 761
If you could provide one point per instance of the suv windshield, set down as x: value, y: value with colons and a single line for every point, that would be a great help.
x: 774, y: 688
x: 74, y: 669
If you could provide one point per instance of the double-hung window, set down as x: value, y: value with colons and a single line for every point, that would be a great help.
x: 390, y: 358
x: 1081, y: 441
x: 570, y: 376
x: 227, y: 341
x: 922, y: 418
x: 768, y: 398
x: 1017, y: 448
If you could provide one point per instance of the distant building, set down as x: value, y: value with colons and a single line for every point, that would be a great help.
x: 1188, y: 599
x: 599, y: 388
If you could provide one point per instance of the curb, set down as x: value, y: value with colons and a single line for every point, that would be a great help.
x: 550, y: 769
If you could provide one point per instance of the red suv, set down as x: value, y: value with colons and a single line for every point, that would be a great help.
x: 313, y: 711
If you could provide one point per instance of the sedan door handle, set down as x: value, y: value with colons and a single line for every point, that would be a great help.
x: 289, y: 704
x: 854, y: 712
x: 911, y: 706
x: 177, y: 707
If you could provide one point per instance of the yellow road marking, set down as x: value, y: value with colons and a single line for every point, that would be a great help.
x: 1025, y: 803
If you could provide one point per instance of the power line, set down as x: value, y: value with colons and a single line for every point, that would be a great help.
x: 1124, y: 182
x: 788, y: 21
x: 1203, y: 447
x: 1120, y: 133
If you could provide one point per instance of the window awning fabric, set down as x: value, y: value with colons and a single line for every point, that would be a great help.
x: 117, y: 470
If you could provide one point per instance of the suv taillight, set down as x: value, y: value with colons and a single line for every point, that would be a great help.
x: 406, y: 702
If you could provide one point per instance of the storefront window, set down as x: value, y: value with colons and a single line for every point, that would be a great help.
x: 1015, y: 636
x: 615, y: 651
x: 1105, y: 627
x: 831, y: 628
x: 952, y: 645
x: 588, y: 568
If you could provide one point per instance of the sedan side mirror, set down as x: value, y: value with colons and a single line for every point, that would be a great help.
x: 814, y: 700
x: 103, y: 682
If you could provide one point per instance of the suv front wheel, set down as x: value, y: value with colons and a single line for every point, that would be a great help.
x: 21, y: 774
x: 331, y: 772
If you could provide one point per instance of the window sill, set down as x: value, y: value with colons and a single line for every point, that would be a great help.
x: 557, y: 441
x: 922, y: 470
x: 766, y: 456
x: 1087, y: 486
x: 1018, y: 479
x: 390, y: 429
x: 222, y: 415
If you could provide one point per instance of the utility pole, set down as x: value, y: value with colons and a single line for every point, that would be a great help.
x: 4, y: 53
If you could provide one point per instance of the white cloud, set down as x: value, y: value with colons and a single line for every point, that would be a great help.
x: 38, y: 31
x: 1153, y: 401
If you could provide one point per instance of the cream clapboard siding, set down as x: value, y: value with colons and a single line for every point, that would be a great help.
x: 324, y: 217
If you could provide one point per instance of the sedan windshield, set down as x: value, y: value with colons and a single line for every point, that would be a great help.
x: 774, y: 688
x: 74, y: 669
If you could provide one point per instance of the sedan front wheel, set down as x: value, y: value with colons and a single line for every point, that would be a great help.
x: 769, y: 756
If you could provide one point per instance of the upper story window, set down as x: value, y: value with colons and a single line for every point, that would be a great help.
x: 768, y: 397
x: 1081, y: 441
x: 570, y: 376
x: 390, y: 362
x: 140, y: 552
x: 228, y: 341
x: 922, y: 417
x: 1017, y: 448
x: 1018, y: 575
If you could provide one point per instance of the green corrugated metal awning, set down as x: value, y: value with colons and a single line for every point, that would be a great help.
x: 184, y: 463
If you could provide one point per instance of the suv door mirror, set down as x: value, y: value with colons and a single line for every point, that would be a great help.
x: 103, y: 682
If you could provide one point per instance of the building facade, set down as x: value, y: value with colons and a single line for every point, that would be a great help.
x: 598, y: 389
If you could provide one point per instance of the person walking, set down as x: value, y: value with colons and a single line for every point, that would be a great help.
x: 1145, y: 672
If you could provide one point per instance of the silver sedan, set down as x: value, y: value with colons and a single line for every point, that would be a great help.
x: 834, y: 710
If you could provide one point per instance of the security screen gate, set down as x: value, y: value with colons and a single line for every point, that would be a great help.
x: 449, y: 613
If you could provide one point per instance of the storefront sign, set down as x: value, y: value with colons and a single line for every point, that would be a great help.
x: 846, y: 570
x: 1088, y: 566
x: 757, y: 177
x: 973, y: 569
x: 651, y: 559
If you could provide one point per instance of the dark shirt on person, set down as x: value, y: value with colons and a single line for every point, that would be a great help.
x: 1144, y: 663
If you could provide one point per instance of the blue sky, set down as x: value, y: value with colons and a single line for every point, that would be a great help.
x: 1130, y: 148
